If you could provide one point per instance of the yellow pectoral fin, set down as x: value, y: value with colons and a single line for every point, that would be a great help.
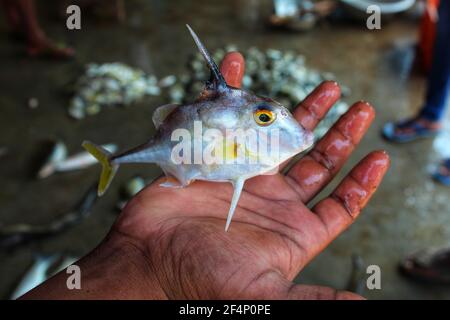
x: 228, y: 151
x: 234, y: 150
x: 223, y: 151
x: 231, y: 150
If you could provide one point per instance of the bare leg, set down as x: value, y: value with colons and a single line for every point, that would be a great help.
x: 23, y: 14
x: 12, y: 16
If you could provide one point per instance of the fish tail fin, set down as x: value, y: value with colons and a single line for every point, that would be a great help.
x: 108, y: 169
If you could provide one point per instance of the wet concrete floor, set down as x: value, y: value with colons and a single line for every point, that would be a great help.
x: 409, y: 211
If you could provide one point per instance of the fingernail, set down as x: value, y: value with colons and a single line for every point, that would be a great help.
x: 356, y: 121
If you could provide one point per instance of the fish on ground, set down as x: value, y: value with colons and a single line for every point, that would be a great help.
x: 43, y: 267
x: 59, y: 161
x: 17, y: 234
x: 357, y: 280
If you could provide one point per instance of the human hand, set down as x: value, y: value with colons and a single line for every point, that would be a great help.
x: 273, y: 234
x: 170, y: 243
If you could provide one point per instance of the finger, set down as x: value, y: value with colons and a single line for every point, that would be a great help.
x: 233, y: 68
x: 283, y: 289
x: 340, y: 209
x: 314, y: 171
x: 310, y: 231
x: 306, y: 292
x: 316, y: 105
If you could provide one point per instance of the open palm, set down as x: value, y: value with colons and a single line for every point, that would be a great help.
x: 180, y: 232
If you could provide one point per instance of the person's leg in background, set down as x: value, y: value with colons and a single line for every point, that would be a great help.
x: 22, y: 17
x: 439, y: 77
x: 12, y: 17
x: 432, y: 264
x: 439, y: 82
x: 428, y: 122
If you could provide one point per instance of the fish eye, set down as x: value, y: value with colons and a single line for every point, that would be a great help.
x: 264, y: 117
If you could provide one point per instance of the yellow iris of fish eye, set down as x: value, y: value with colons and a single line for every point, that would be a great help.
x: 264, y: 117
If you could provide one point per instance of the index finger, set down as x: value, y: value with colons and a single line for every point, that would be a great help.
x: 233, y: 68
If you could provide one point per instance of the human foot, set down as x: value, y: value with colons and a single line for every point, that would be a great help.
x: 410, y: 130
x: 443, y: 173
x: 44, y: 47
x: 429, y: 265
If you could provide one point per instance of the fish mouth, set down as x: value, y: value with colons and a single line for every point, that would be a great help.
x: 308, y: 138
x: 305, y: 139
x: 297, y: 143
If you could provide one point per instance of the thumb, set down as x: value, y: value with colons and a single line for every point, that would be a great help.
x: 307, y: 292
x: 273, y: 285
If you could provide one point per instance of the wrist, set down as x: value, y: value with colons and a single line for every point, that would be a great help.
x: 119, y: 268
x: 116, y: 269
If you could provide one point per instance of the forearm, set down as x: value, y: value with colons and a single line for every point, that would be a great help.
x: 116, y: 269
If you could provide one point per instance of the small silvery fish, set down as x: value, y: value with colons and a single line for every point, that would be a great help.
x: 220, y: 109
x: 35, y: 275
x: 17, y: 234
x: 58, y: 161
x: 44, y: 267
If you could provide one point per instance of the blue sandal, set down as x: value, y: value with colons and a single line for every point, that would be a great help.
x: 442, y: 178
x: 418, y: 131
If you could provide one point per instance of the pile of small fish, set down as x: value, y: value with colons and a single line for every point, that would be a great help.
x: 273, y: 73
x: 282, y: 75
x: 110, y: 84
